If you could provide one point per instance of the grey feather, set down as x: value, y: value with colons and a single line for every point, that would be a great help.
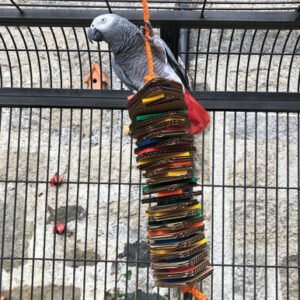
x: 123, y: 77
x: 177, y: 67
x: 158, y: 45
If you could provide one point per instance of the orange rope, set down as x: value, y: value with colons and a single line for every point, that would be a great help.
x: 151, y: 74
x: 194, y: 291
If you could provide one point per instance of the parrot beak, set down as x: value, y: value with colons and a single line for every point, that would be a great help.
x: 95, y: 35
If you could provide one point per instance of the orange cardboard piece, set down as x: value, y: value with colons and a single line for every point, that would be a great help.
x: 176, y: 192
x: 98, y: 80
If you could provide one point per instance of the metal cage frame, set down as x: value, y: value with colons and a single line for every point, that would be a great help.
x: 205, y: 34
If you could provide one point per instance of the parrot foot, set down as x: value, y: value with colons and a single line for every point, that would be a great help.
x: 150, y: 38
x: 149, y: 25
x: 143, y: 28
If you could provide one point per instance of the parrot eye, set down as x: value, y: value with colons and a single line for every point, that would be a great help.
x: 103, y: 20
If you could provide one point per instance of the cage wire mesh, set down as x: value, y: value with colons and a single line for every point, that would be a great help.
x: 248, y: 163
x: 250, y: 179
x: 216, y: 59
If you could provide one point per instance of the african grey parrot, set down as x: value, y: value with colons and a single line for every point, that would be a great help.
x: 129, y: 61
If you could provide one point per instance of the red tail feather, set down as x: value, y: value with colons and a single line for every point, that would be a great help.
x: 198, y: 116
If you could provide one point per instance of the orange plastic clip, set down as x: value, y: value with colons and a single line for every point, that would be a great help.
x: 194, y: 291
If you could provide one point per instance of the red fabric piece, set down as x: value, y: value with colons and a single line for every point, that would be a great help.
x: 56, y: 180
x: 130, y: 97
x: 198, y: 116
x: 59, y: 228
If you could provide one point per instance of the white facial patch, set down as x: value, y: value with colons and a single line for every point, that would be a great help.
x: 104, y: 23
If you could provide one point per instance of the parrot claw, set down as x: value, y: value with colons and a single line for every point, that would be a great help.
x: 143, y: 28
x: 149, y: 25
x: 150, y: 38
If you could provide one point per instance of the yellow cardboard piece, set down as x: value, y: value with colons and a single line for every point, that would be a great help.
x: 152, y: 99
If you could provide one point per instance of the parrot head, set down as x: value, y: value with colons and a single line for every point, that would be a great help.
x: 101, y: 26
x: 114, y: 30
x: 104, y: 26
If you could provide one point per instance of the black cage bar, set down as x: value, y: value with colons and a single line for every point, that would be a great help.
x: 203, y: 5
x: 252, y: 60
x: 243, y: 60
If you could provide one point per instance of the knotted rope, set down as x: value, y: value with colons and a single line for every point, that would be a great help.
x: 151, y: 73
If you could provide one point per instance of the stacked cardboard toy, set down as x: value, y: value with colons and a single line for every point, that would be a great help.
x: 165, y: 153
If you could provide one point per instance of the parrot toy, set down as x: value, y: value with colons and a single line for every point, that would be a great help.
x: 129, y: 60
